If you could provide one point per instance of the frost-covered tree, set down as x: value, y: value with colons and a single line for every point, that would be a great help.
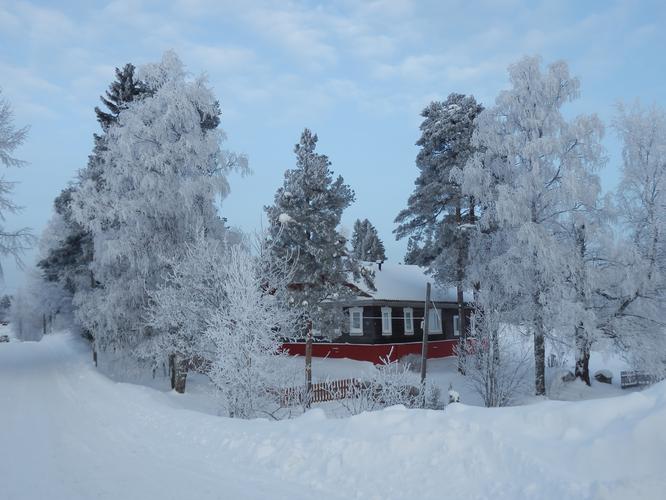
x: 245, y: 334
x: 303, y: 227
x: 38, y: 308
x: 193, y: 291
x: 67, y: 244
x: 497, y: 364
x: 12, y: 243
x: 163, y: 173
x: 438, y: 212
x: 365, y: 242
x: 637, y: 320
x: 529, y: 172
x: 437, y: 207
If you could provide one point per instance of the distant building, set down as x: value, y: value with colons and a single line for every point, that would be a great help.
x: 389, y: 320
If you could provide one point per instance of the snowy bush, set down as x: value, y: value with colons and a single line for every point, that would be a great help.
x: 392, y: 383
x: 497, y: 361
x: 244, y: 335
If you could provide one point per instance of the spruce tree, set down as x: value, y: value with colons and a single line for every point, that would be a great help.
x: 365, y: 242
x: 303, y: 227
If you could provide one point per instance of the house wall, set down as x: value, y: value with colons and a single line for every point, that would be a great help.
x: 375, y: 353
x: 372, y: 324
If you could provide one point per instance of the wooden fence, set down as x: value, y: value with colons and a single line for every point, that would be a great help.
x: 329, y: 390
x: 637, y: 378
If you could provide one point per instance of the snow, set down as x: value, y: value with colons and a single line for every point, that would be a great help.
x: 404, y: 282
x: 68, y: 432
x: 285, y: 218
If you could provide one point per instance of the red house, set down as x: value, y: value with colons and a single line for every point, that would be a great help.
x: 388, y: 321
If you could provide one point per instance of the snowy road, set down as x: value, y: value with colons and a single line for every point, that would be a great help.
x: 68, y: 432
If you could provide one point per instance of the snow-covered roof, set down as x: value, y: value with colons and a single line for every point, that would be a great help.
x: 404, y: 282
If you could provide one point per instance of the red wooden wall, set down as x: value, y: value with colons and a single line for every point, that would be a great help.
x: 372, y: 352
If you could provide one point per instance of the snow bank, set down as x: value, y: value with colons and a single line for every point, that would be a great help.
x: 68, y: 432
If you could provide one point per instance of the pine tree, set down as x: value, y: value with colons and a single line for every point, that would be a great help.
x: 438, y: 213
x: 436, y: 209
x: 365, y: 242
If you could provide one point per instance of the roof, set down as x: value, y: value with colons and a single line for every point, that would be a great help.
x: 404, y: 282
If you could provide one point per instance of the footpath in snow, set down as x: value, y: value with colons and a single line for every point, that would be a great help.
x: 68, y: 432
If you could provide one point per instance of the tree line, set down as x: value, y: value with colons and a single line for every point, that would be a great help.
x: 507, y: 204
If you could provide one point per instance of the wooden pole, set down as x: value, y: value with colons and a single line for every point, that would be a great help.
x: 308, y: 366
x: 424, y: 342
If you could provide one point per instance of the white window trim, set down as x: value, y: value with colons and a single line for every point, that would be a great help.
x: 431, y: 330
x: 388, y: 331
x: 456, y: 323
x: 409, y: 326
x: 352, y: 330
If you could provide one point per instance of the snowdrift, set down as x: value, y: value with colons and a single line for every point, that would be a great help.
x: 68, y: 432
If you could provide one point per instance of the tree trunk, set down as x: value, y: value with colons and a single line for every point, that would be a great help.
x: 178, y: 369
x: 308, y: 367
x: 582, y: 356
x: 424, y: 344
x: 582, y: 339
x: 462, y: 340
x: 539, y: 364
x: 460, y: 274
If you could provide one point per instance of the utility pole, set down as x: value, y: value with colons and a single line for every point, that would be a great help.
x: 308, y: 366
x: 424, y: 342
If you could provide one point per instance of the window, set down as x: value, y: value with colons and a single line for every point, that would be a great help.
x: 434, y: 321
x: 456, y: 325
x: 408, y: 314
x: 356, y: 321
x: 386, y: 321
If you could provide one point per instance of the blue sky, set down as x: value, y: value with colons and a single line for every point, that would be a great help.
x: 357, y: 73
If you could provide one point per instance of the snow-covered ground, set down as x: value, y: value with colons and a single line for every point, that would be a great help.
x: 69, y: 432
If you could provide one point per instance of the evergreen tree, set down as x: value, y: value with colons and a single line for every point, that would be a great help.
x: 365, y: 242
x: 438, y: 213
x: 125, y: 89
x: 303, y: 227
x: 436, y: 210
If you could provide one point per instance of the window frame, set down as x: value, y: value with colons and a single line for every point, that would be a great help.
x: 410, y: 324
x: 387, y: 331
x: 456, y: 325
x: 352, y: 330
x: 438, y: 314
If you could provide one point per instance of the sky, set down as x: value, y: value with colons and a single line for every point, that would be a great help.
x: 358, y: 73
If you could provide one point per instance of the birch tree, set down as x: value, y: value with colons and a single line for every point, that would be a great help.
x: 164, y: 171
x: 530, y: 170
x: 12, y: 242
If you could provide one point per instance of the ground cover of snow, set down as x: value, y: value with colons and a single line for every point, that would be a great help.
x: 69, y: 432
